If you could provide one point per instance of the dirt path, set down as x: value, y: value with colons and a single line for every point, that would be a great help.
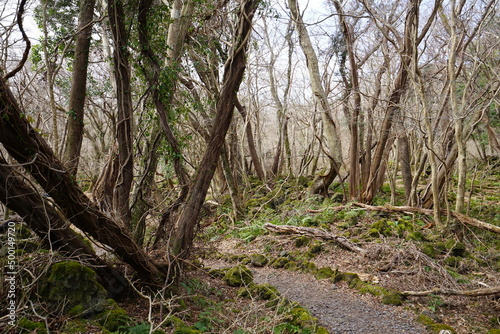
x: 338, y: 309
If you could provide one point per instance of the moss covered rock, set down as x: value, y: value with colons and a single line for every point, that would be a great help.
x: 75, y: 286
x: 392, y: 297
x: 258, y: 260
x: 238, y: 276
x: 493, y: 331
x: 279, y: 262
x: 324, y: 272
x: 302, y: 241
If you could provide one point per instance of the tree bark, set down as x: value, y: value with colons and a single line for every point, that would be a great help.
x: 29, y: 148
x: 78, y: 91
x: 123, y: 184
x: 233, y: 74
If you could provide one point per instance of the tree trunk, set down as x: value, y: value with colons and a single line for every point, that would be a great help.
x: 123, y: 185
x: 52, y: 228
x: 233, y: 74
x: 78, y: 91
x: 354, y: 169
x: 330, y: 128
x: 29, y: 148
x: 251, y: 142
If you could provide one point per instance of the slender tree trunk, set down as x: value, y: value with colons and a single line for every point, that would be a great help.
x: 233, y: 74
x: 78, y: 91
x: 123, y: 185
x: 354, y: 170
x: 330, y: 128
x: 251, y: 142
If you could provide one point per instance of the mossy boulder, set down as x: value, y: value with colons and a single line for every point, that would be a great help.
x: 258, y: 260
x: 456, y: 248
x: 279, y: 262
x: 432, y: 326
x: 75, y: 286
x: 324, y: 272
x: 291, y: 265
x: 392, y: 297
x: 308, y: 267
x: 302, y: 241
x: 238, y: 276
x: 374, y: 290
x: 348, y: 277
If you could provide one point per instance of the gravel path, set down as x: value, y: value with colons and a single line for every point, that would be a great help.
x: 338, y: 309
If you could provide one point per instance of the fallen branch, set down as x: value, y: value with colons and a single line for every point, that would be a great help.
x: 315, y: 233
x: 409, y: 209
x: 470, y: 293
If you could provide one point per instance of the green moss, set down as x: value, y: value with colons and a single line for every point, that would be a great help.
x: 302, y: 241
x: 27, y: 326
x: 428, y: 249
x: 238, y: 276
x: 73, y: 284
x: 279, y: 262
x: 432, y: 326
x: 75, y: 327
x: 416, y: 236
x: 258, y: 260
x: 112, y: 319
x: 291, y: 265
x: 356, y: 283
x: 381, y: 227
x: 493, y: 331
x: 315, y: 248
x: 324, y: 272
x: 301, y: 317
x: 308, y: 267
x: 392, y: 297
x: 321, y: 330
x: 348, y: 277
x: 374, y: 290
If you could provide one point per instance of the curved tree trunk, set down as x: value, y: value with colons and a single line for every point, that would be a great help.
x: 233, y: 74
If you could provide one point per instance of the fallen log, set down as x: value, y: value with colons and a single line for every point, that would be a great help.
x: 428, y: 212
x: 470, y: 293
x: 315, y: 233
